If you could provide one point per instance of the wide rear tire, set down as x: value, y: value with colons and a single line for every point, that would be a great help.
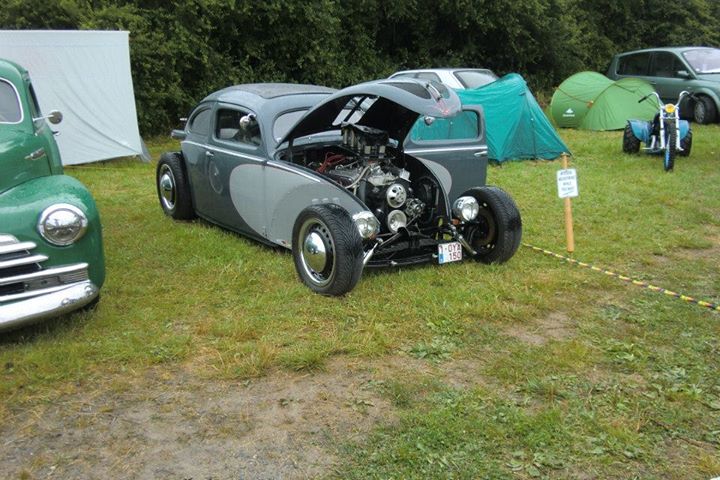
x: 173, y: 188
x: 631, y: 144
x: 686, y: 144
x: 497, y: 231
x: 327, y: 249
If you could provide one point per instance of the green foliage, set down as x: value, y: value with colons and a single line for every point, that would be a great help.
x: 183, y: 50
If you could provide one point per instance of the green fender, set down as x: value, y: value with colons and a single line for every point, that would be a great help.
x: 20, y: 209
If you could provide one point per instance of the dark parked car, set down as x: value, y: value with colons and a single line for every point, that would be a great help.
x: 674, y: 69
x: 51, y: 254
x: 327, y: 174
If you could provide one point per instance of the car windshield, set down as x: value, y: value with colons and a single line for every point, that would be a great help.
x: 286, y: 120
x: 475, y: 78
x: 704, y: 60
x: 10, y: 111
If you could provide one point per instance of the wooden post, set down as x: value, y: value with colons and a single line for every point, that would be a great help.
x: 569, y: 236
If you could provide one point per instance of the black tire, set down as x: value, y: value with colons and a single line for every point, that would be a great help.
x: 173, y: 188
x: 631, y: 144
x: 670, y: 151
x: 327, y: 249
x: 497, y: 231
x: 704, y: 110
x: 686, y: 144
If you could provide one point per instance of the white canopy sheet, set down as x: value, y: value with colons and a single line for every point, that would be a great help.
x: 86, y: 75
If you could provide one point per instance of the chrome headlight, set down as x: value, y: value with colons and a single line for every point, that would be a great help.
x: 62, y: 224
x: 466, y: 208
x: 367, y: 224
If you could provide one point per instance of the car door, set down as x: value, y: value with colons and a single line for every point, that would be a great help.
x: 235, y: 141
x: 195, y: 149
x: 454, y: 149
x: 24, y: 147
x: 664, y: 68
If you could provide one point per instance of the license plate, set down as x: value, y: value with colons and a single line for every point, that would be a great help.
x: 449, y: 252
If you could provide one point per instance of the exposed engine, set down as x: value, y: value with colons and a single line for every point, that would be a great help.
x: 378, y: 179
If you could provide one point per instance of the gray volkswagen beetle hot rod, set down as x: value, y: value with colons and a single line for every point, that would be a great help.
x: 330, y: 175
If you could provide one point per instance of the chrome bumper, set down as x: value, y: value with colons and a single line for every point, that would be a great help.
x: 52, y: 304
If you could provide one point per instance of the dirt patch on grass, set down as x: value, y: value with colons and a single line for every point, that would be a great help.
x: 176, y: 425
x: 554, y: 326
x: 171, y: 423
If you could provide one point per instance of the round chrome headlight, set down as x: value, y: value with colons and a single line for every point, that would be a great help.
x: 62, y: 224
x: 396, y: 220
x: 466, y: 208
x: 367, y: 224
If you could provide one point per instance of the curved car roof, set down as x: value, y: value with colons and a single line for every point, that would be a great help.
x: 254, y: 94
x: 667, y: 49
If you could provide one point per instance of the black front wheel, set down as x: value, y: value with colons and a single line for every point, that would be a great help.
x: 670, y: 150
x: 327, y: 249
x: 496, y: 232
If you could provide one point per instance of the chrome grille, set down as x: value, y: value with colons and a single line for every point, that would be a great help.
x: 22, y: 275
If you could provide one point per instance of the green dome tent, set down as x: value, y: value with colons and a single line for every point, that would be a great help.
x: 591, y: 101
x: 516, y: 126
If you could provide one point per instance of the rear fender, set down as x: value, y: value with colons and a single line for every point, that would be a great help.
x: 641, y: 129
x: 684, y: 128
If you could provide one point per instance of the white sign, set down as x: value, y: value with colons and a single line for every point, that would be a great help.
x: 567, y: 183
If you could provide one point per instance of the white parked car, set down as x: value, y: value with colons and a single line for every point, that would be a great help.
x: 457, y: 78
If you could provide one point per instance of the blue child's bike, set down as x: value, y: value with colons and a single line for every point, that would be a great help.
x: 666, y: 134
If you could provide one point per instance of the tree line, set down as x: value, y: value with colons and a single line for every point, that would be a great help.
x: 181, y: 50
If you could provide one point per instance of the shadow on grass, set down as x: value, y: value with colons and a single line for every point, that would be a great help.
x: 49, y: 326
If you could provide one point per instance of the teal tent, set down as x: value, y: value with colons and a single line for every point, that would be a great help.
x: 517, y: 127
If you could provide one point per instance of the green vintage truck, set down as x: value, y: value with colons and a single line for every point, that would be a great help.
x: 51, y: 252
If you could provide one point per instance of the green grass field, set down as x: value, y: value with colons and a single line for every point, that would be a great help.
x: 576, y: 374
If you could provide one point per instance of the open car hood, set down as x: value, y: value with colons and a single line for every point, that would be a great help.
x: 396, y: 105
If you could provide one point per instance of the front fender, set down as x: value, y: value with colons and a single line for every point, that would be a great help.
x: 21, y: 206
x: 270, y: 196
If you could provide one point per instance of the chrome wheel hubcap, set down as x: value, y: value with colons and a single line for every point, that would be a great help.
x: 317, y: 252
x: 167, y: 187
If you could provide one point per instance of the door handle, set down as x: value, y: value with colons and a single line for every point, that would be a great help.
x: 478, y: 154
x: 37, y: 154
x: 209, y: 154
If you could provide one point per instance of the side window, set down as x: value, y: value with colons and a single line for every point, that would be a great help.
x: 10, y: 110
x: 35, y: 107
x: 237, y: 126
x: 465, y: 126
x: 428, y: 76
x: 636, y: 64
x: 34, y: 104
x: 200, y: 121
x: 666, y: 64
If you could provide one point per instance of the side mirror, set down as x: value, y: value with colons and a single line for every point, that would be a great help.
x: 54, y: 117
x: 683, y: 74
x: 428, y: 120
